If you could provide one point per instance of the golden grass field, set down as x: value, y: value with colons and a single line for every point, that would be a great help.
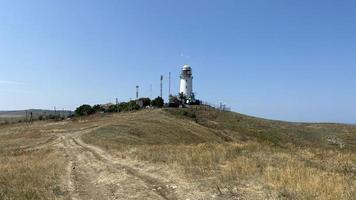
x: 223, y: 155
x: 27, y: 172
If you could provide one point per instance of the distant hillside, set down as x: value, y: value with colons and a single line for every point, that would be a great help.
x: 16, y: 115
x: 238, y: 126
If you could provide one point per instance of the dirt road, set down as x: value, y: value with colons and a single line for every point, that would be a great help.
x: 94, y: 174
x: 90, y: 172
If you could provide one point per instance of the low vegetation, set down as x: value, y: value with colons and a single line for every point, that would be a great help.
x: 85, y: 109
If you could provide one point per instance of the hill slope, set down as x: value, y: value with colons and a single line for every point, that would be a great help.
x: 192, y: 153
x: 237, y: 156
x: 203, y: 124
x: 276, y: 132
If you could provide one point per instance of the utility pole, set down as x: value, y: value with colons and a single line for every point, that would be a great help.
x: 161, y: 86
x: 31, y: 117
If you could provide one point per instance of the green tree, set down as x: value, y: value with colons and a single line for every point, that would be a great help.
x: 132, y: 105
x: 173, y: 101
x: 112, y: 108
x: 84, y: 110
x: 158, y: 102
x: 98, y: 108
x: 123, y: 106
x: 146, y: 101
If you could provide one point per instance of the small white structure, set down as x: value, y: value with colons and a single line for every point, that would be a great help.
x: 186, y: 82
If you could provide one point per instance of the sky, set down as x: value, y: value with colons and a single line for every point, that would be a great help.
x: 289, y: 60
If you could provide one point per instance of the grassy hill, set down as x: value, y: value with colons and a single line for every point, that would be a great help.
x: 239, y: 155
x: 216, y: 155
x: 200, y: 124
x: 236, y: 126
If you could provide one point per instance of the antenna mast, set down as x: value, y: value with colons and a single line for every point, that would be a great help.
x: 161, y: 85
x: 137, y: 91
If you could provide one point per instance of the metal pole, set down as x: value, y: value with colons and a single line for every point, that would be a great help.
x: 161, y: 86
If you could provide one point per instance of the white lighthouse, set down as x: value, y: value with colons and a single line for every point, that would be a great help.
x: 186, y: 82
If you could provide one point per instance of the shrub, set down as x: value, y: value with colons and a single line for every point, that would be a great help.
x: 112, y: 108
x: 196, y: 102
x: 146, y: 101
x: 98, y: 108
x: 158, y: 102
x: 84, y: 110
x: 173, y: 101
x: 123, y: 106
x: 132, y: 105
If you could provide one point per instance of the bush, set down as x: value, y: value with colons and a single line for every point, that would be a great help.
x: 84, y: 110
x: 146, y: 101
x: 196, y: 102
x: 132, y: 105
x: 112, y: 108
x: 98, y: 108
x: 123, y: 106
x: 157, y: 102
x: 173, y: 101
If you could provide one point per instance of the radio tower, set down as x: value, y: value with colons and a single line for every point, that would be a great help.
x: 137, y: 91
x: 161, y: 85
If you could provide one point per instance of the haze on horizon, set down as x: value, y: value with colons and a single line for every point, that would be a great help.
x: 278, y: 59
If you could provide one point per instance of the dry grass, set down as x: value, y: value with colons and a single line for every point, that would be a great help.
x: 297, y: 174
x: 27, y: 173
x: 261, y: 166
x: 256, y: 163
x: 30, y: 175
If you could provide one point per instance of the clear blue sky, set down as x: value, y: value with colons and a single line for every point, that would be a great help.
x: 281, y: 59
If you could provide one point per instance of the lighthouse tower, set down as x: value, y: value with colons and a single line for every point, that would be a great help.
x: 186, y: 82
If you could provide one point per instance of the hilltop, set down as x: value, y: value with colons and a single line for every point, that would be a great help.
x: 171, y: 153
x: 198, y: 124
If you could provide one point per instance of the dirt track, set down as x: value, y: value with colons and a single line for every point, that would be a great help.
x: 94, y: 174
x: 89, y: 172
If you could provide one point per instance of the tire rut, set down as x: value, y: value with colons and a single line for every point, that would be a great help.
x: 93, y: 174
x: 154, y: 184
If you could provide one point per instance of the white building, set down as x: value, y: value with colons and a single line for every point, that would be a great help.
x: 186, y: 82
